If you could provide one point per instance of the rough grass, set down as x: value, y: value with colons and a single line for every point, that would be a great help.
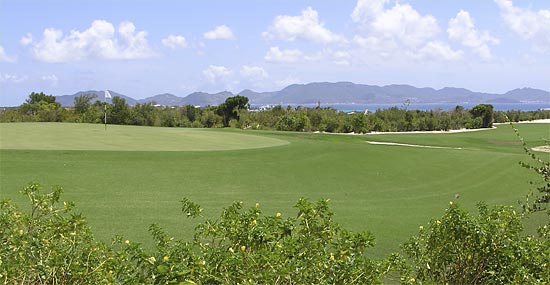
x: 388, y: 190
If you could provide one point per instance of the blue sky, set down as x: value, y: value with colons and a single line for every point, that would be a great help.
x: 143, y: 48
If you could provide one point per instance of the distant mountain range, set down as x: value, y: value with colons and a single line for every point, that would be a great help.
x: 335, y: 93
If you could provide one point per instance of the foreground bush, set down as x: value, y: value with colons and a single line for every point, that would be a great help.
x: 51, y: 244
x: 489, y: 248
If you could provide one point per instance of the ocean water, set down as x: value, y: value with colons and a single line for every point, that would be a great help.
x: 427, y: 107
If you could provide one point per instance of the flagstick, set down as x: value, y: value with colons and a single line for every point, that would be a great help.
x: 105, y: 115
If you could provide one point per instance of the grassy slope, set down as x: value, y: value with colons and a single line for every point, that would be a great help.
x: 386, y: 189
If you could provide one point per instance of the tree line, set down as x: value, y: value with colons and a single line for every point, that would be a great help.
x: 235, y: 112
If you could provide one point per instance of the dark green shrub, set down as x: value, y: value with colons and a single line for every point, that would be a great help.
x: 489, y: 248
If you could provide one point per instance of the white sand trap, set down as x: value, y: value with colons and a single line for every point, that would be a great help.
x: 540, y: 121
x: 431, y: 132
x: 544, y: 148
x: 412, y: 145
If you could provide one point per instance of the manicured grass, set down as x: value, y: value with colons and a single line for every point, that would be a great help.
x: 388, y: 190
x: 58, y: 136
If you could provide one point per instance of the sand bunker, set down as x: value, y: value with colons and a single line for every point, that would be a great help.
x: 412, y: 145
x: 544, y: 148
x: 431, y: 132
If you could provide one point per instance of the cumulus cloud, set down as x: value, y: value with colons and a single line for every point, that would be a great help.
x: 403, y: 24
x: 4, y: 77
x: 287, y: 55
x: 338, y: 57
x: 462, y: 29
x: 4, y: 57
x: 100, y: 40
x: 51, y: 78
x: 366, y: 10
x: 436, y: 51
x: 528, y: 24
x: 397, y: 30
x: 26, y: 39
x: 215, y: 73
x: 173, y: 42
x: 222, y: 32
x: 253, y: 72
x: 303, y: 27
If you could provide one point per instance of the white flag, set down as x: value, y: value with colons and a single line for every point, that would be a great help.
x: 107, y: 94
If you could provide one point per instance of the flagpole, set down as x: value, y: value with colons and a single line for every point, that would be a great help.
x: 107, y: 95
x: 105, y: 114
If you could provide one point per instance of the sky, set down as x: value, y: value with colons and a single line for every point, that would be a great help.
x: 142, y: 48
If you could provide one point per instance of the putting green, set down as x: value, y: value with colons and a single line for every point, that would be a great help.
x: 66, y: 136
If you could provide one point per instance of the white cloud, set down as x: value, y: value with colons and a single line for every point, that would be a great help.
x: 462, y: 29
x: 4, y: 57
x: 403, y: 24
x: 288, y: 55
x: 338, y: 57
x: 222, y: 32
x: 528, y: 24
x: 26, y: 39
x: 4, y: 77
x: 303, y: 27
x: 437, y: 50
x: 98, y: 41
x: 173, y: 42
x: 215, y: 73
x: 341, y: 57
x: 399, y: 30
x: 366, y: 10
x: 51, y: 78
x: 253, y: 72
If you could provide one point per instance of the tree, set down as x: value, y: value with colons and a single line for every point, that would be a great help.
x: 82, y: 103
x: 42, y: 107
x: 119, y: 112
x: 230, y: 108
x: 142, y: 115
x: 485, y: 112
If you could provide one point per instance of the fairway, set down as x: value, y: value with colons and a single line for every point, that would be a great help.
x: 62, y: 136
x: 386, y: 189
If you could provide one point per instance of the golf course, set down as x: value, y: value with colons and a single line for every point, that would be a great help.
x: 124, y: 178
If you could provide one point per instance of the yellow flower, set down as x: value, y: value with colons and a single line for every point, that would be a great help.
x: 278, y: 215
x: 257, y: 205
x: 421, y: 227
x: 331, y: 257
x: 412, y: 280
x: 243, y: 248
x: 254, y: 222
x: 231, y: 250
x: 20, y: 232
x: 127, y: 242
x: 450, y: 203
x: 165, y: 258
x: 438, y: 222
